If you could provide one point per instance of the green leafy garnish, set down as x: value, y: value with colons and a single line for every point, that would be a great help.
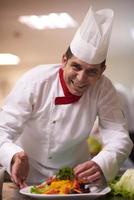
x: 65, y: 173
x: 125, y: 185
x: 37, y: 190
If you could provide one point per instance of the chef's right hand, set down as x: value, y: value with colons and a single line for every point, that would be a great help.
x: 19, y: 169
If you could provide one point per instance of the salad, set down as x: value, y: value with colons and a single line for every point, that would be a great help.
x: 64, y: 182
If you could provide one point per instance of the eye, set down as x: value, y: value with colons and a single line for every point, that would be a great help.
x: 93, y: 72
x: 76, y: 66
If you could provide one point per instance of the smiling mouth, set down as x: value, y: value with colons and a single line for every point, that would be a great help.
x: 78, y: 86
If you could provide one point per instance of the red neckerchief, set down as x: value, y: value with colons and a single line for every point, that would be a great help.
x: 69, y: 97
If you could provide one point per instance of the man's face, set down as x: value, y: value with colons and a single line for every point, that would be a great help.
x: 79, y: 75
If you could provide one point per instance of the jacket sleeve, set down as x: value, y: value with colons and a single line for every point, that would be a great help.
x: 13, y: 115
x: 113, y: 130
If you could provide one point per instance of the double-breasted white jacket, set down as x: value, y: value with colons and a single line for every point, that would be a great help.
x: 54, y: 136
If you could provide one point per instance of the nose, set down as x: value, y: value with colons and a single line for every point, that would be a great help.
x: 81, y: 76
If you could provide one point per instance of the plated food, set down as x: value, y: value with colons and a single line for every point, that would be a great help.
x: 64, y: 182
x: 85, y: 196
x: 64, y: 186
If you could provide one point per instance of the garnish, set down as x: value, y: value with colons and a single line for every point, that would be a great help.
x: 65, y: 173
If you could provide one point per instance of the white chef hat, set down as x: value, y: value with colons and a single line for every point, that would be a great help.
x: 90, y: 43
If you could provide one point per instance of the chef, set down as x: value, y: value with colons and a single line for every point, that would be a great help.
x: 47, y: 117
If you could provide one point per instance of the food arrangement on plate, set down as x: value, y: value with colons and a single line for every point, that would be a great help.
x: 64, y: 182
x: 64, y: 185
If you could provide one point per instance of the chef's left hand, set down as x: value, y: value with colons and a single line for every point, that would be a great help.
x: 88, y: 171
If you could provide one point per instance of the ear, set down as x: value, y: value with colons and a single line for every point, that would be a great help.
x: 64, y: 60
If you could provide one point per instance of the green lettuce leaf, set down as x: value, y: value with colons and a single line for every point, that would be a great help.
x: 125, y: 185
x: 65, y: 173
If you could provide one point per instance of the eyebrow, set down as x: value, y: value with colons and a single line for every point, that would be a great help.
x: 76, y: 63
x: 92, y: 69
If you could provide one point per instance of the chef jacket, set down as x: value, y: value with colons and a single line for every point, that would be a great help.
x: 54, y: 136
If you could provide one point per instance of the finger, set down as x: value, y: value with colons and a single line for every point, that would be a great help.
x: 22, y: 185
x: 94, y: 177
x: 16, y: 182
x: 87, y: 172
x: 20, y: 182
x: 82, y: 167
x: 16, y: 177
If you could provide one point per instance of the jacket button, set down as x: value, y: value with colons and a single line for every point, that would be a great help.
x: 50, y: 157
x: 54, y: 121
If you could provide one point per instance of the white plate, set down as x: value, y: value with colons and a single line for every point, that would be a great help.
x: 91, y: 195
